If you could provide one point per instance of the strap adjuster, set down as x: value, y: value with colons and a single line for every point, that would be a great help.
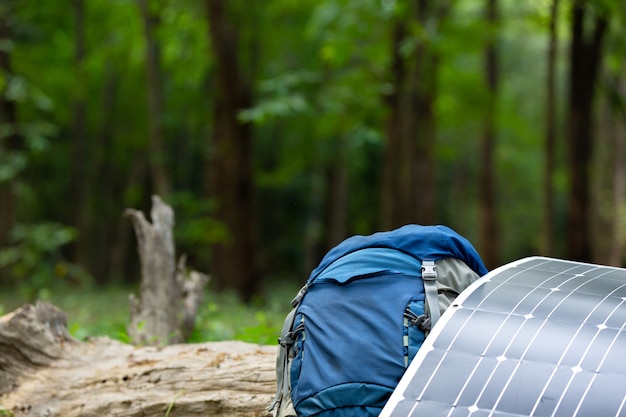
x: 296, y: 301
x: 429, y: 270
x: 429, y: 277
x: 288, y: 338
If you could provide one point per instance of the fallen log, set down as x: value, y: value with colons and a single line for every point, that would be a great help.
x: 45, y: 372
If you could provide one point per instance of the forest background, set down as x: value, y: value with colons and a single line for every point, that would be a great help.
x: 277, y: 128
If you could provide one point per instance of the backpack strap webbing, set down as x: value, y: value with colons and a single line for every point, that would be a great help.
x: 282, y: 368
x: 429, y: 276
x: 287, y: 336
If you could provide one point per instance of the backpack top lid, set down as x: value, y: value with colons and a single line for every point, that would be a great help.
x: 421, y: 242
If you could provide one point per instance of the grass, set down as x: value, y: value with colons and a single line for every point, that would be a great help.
x: 105, y: 312
x: 5, y: 413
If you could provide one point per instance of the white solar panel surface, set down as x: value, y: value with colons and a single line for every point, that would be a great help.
x: 537, y: 337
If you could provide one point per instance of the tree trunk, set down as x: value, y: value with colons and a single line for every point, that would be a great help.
x: 609, y: 234
x: 79, y: 215
x: 121, y: 263
x: 169, y: 299
x: 393, y: 165
x: 313, y: 240
x: 158, y: 171
x: 408, y: 171
x: 489, y: 242
x: 107, y: 266
x: 585, y: 56
x: 616, y: 252
x: 8, y: 122
x: 230, y: 161
x: 547, y: 231
x: 337, y: 197
x: 45, y: 372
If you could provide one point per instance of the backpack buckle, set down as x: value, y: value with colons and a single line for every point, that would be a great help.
x: 296, y: 301
x: 429, y: 270
x: 288, y: 338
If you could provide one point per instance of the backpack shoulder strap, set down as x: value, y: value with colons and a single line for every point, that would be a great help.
x: 283, y: 389
x: 429, y: 276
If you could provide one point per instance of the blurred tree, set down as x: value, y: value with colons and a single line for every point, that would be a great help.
x: 29, y: 256
x: 11, y: 142
x: 588, y: 29
x: 337, y: 195
x: 615, y: 86
x: 489, y: 239
x: 310, y: 172
x: 78, y: 216
x: 352, y: 74
x: 608, y: 193
x: 150, y: 12
x: 609, y: 172
x: 616, y: 252
x: 547, y: 231
x: 408, y: 193
x: 230, y: 157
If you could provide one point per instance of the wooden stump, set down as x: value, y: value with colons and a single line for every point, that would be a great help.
x: 169, y: 296
x: 45, y: 372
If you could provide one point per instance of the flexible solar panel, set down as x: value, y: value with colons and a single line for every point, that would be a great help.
x: 537, y: 337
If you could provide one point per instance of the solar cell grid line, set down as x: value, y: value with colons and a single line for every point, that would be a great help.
x: 426, y: 348
x: 585, y: 394
x: 563, y: 325
x: 621, y: 406
x: 588, y: 348
x: 597, y: 370
x: 568, y: 346
x: 495, y: 369
x: 503, y: 357
x: 571, y: 341
x: 519, y: 362
x: 589, y: 314
x: 502, y: 325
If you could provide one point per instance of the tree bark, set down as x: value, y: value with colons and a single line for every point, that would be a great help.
x: 616, y: 252
x: 408, y: 177
x: 585, y: 56
x: 156, y: 146
x: 547, y: 231
x: 8, y: 122
x: 489, y: 242
x: 45, y: 372
x: 337, y: 185
x: 230, y: 161
x: 107, y: 265
x: 609, y: 168
x: 169, y: 298
x: 80, y: 214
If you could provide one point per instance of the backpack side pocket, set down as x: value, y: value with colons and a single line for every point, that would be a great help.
x: 415, y: 326
x: 297, y: 351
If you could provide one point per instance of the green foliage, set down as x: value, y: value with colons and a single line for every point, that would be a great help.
x: 320, y: 71
x: 222, y: 315
x: 90, y: 311
x: 34, y: 261
x: 11, y: 164
x: 171, y: 405
x: 5, y: 413
x: 196, y: 228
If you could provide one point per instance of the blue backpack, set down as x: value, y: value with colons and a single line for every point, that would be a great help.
x: 362, y: 315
